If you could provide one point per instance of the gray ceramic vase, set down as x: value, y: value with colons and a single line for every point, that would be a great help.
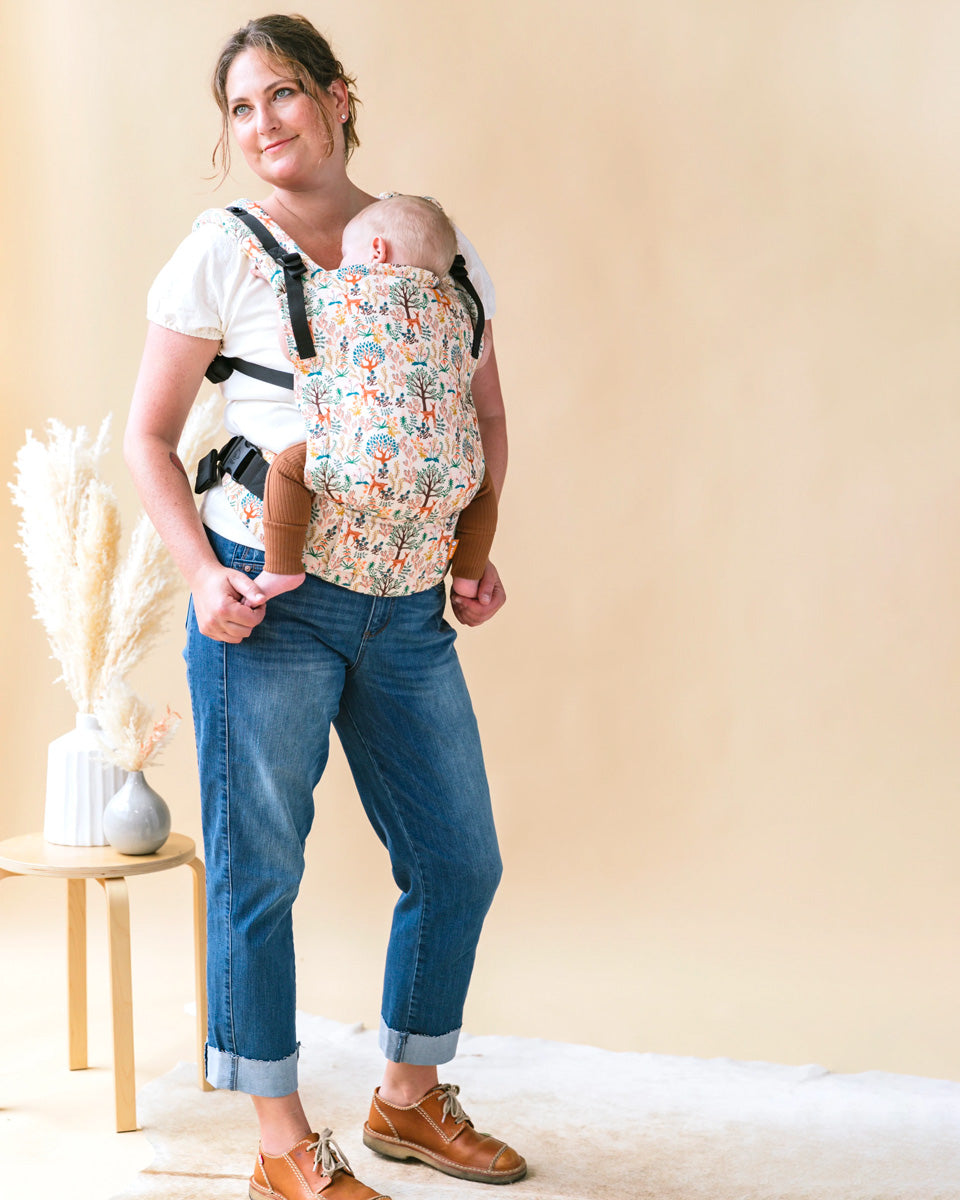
x: 137, y: 820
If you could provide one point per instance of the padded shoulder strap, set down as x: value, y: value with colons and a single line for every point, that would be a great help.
x: 263, y: 249
x: 458, y: 273
x: 293, y: 273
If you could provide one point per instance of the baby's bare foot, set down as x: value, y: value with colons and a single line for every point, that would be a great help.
x: 463, y: 587
x: 272, y: 585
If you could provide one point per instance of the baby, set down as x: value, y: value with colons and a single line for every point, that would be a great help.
x: 404, y: 231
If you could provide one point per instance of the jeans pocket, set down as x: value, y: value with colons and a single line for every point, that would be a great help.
x: 248, y: 559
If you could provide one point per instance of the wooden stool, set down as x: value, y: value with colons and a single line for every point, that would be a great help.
x: 31, y: 855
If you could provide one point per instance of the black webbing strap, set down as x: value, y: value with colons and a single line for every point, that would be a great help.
x: 238, y: 458
x: 222, y: 368
x: 293, y: 273
x: 459, y: 274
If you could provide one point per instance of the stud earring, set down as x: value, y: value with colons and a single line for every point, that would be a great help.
x: 343, y: 116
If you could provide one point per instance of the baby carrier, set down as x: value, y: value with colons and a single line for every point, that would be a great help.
x: 382, y: 357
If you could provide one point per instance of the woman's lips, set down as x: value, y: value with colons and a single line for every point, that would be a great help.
x: 276, y: 145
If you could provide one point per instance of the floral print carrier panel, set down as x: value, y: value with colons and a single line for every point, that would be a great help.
x: 393, y: 445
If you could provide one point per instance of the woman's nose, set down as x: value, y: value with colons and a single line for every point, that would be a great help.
x: 266, y: 119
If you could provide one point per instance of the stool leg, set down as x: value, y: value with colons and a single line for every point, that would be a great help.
x: 200, y: 962
x: 124, y: 1077
x: 77, y: 972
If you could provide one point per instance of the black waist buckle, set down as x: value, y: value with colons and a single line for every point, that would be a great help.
x: 239, y: 459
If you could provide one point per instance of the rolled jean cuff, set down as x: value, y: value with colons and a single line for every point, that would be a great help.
x: 420, y: 1049
x: 251, y: 1075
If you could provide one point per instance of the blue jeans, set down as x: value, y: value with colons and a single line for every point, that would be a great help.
x: 384, y: 671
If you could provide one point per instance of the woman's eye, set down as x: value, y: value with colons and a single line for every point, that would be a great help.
x: 240, y: 109
x: 284, y: 91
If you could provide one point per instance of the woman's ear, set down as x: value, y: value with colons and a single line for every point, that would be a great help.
x: 338, y: 93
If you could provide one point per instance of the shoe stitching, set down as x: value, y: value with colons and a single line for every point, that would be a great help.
x: 269, y: 1192
x: 426, y: 1116
x: 262, y: 1167
x: 503, y: 1146
x: 441, y: 1158
x: 376, y: 1105
x: 296, y: 1170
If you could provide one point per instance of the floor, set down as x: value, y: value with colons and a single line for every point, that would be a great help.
x: 57, y: 1127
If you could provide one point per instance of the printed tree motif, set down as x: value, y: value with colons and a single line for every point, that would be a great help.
x: 368, y: 356
x: 423, y: 384
x: 326, y: 480
x: 410, y: 297
x: 381, y: 448
x: 404, y: 537
x: 429, y: 485
x: 316, y: 392
x: 383, y: 583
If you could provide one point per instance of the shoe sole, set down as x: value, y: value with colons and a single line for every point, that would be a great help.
x: 404, y: 1151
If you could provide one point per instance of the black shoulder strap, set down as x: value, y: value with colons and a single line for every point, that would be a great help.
x: 459, y: 275
x: 293, y: 273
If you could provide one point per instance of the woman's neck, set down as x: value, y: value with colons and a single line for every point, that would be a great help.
x: 315, y: 218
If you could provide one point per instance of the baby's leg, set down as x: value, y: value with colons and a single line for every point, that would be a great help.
x: 475, y: 531
x: 286, y: 515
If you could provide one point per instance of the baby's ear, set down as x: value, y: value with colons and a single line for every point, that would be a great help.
x: 380, y: 250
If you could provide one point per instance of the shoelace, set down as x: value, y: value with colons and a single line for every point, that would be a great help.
x: 451, y: 1105
x: 328, y: 1157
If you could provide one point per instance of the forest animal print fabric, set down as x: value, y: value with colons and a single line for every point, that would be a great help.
x: 393, y: 445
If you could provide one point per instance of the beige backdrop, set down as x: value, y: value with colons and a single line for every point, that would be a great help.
x: 719, y: 709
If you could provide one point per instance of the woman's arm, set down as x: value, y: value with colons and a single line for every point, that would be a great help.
x: 170, y: 374
x: 488, y: 401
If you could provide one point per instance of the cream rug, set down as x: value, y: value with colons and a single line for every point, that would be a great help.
x: 592, y: 1123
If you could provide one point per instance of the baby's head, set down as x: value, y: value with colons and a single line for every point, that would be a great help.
x: 407, y: 231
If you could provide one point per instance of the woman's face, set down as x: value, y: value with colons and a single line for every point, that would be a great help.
x: 276, y: 124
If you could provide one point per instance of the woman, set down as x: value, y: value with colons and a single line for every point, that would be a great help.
x: 267, y: 680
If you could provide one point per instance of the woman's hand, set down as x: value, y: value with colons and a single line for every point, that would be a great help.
x: 489, y: 600
x: 227, y: 603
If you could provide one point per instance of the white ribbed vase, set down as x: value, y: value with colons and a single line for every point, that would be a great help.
x: 137, y: 819
x: 80, y: 783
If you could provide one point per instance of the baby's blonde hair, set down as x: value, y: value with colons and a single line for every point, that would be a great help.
x: 418, y: 232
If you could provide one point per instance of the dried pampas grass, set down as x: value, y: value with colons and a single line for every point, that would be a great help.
x: 132, y: 738
x: 101, y: 614
x: 68, y: 535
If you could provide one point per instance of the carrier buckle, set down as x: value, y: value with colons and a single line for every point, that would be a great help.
x: 208, y: 472
x: 293, y: 265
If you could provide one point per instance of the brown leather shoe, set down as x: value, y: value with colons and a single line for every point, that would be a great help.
x: 439, y: 1133
x: 314, y: 1167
